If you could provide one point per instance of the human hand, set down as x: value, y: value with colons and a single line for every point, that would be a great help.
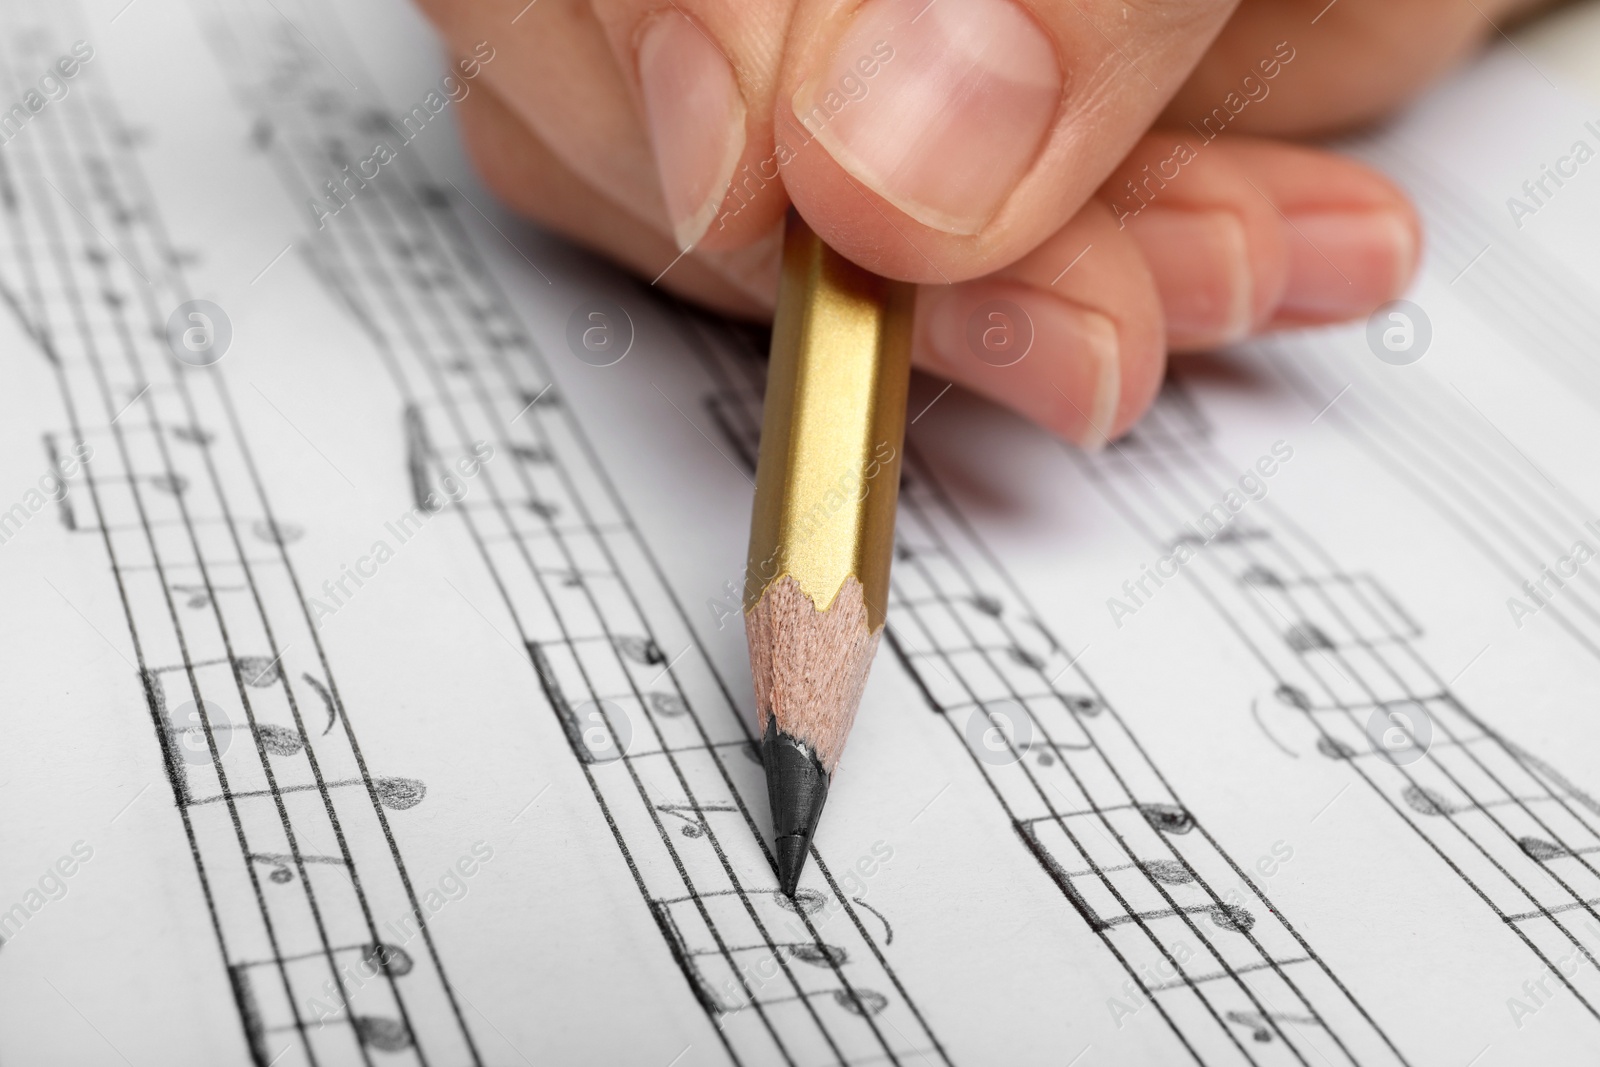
x: 991, y: 150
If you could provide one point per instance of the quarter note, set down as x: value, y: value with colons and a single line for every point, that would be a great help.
x: 398, y: 794
x: 383, y: 1034
x: 1168, y: 818
x: 1304, y: 637
x: 669, y: 704
x: 1427, y: 801
x: 1545, y: 851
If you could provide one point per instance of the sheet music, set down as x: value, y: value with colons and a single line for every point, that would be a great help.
x: 377, y: 691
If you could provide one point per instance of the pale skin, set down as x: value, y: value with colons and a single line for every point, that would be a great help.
x: 983, y: 149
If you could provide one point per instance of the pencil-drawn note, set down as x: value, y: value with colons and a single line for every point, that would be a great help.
x: 383, y: 1034
x: 824, y: 956
x: 282, y: 861
x: 192, y: 435
x: 1082, y: 704
x: 172, y: 484
x: 1229, y: 917
x: 1305, y: 637
x: 275, y: 532
x: 278, y: 740
x: 641, y: 650
x: 862, y: 1002
x: 1334, y: 748
x: 1262, y: 578
x: 670, y: 705
x: 804, y: 901
x: 1545, y: 851
x: 544, y: 509
x: 988, y: 604
x: 1263, y: 1027
x: 1168, y: 818
x: 397, y: 794
x: 258, y: 672
x: 693, y: 816
x: 1024, y: 658
x: 1293, y: 696
x: 1427, y: 801
x: 1168, y: 872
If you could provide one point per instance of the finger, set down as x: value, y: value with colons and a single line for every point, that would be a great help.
x: 526, y: 174
x: 552, y: 66
x: 704, y: 73
x: 938, y: 140
x: 1070, y: 336
x: 1244, y: 234
x: 1309, y: 66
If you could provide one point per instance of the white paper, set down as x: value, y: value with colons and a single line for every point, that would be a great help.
x: 1322, y: 794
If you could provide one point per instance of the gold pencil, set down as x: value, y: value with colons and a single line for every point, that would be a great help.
x: 822, y: 534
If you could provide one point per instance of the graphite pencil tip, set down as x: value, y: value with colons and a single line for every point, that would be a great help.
x: 797, y: 788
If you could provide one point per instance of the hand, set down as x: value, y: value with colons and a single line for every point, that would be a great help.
x: 989, y: 149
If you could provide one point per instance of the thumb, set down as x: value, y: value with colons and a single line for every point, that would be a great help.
x: 936, y: 140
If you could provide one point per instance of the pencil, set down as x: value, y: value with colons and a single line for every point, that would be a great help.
x: 822, y: 533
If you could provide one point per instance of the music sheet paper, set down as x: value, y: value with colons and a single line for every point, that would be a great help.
x: 376, y: 691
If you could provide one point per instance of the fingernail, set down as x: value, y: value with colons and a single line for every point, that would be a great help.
x: 1054, y: 361
x: 695, y: 116
x: 1201, y: 268
x: 938, y: 107
x: 1346, y: 263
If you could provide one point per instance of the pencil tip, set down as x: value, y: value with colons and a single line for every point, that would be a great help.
x: 797, y: 788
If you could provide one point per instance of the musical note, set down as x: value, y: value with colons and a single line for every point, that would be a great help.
x: 641, y: 650
x: 273, y: 532
x: 1079, y: 704
x: 1026, y: 658
x: 987, y: 604
x: 669, y: 704
x: 1293, y: 697
x: 278, y: 740
x: 258, y: 672
x: 806, y: 901
x: 544, y: 508
x: 174, y: 484
x: 860, y: 1001
x: 192, y: 435
x: 819, y: 955
x: 1225, y: 916
x: 1427, y: 801
x: 532, y: 454
x: 1261, y: 576
x: 281, y: 860
x: 1260, y: 1025
x: 385, y: 1035
x: 1168, y: 818
x: 1304, y: 637
x: 691, y: 815
x: 1333, y: 748
x: 1545, y: 851
x: 398, y: 794
x: 1168, y: 872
